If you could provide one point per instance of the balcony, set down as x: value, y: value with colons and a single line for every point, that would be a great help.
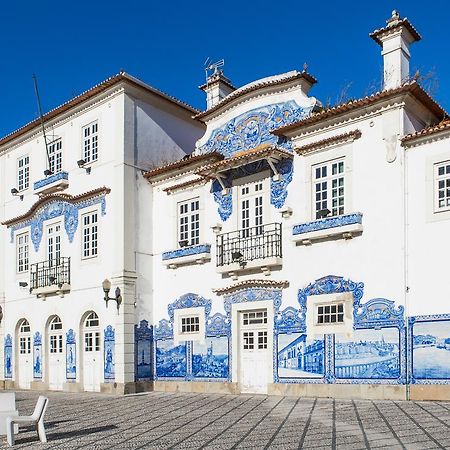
x: 50, y: 277
x: 53, y: 183
x: 251, y: 248
x: 194, y: 254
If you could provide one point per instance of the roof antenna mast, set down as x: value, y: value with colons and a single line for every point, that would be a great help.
x: 38, y: 99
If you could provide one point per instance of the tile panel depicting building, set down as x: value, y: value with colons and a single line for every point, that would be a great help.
x: 299, y: 249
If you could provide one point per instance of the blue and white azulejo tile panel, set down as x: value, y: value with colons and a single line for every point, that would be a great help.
x: 300, y: 357
x: 429, y: 349
x: 171, y: 359
x: 210, y: 359
x: 369, y: 354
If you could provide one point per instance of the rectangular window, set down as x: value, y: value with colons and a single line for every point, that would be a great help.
x: 22, y: 252
x: 254, y: 317
x: 54, y: 244
x: 189, y: 222
x: 248, y: 340
x: 92, y: 341
x: 442, y: 186
x: 23, y: 173
x: 55, y: 156
x: 262, y: 340
x: 90, y: 142
x: 329, y: 180
x: 252, y: 211
x: 90, y: 234
x: 333, y: 313
x: 56, y: 343
x: 190, y: 324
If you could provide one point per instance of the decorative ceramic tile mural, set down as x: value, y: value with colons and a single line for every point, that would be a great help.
x: 370, y: 353
x: 210, y: 359
x: 430, y: 345
x: 37, y: 355
x: 170, y: 359
x: 71, y: 356
x: 109, y: 353
x: 8, y: 356
x: 299, y: 357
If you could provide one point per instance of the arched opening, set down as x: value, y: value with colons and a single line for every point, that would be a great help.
x: 24, y: 372
x: 92, y: 356
x: 55, y: 354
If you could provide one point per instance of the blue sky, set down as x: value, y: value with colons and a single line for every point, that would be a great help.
x: 74, y: 45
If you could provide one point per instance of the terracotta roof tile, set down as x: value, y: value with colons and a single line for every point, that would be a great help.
x: 428, y: 131
x: 254, y: 86
x: 412, y: 88
x: 394, y: 25
x: 355, y: 134
x: 196, y: 181
x: 57, y: 196
x: 184, y: 163
x: 93, y: 91
x: 260, y: 152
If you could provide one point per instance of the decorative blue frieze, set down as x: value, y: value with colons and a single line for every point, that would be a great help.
x: 429, y: 349
x: 288, y: 320
x: 37, y: 355
x: 225, y: 201
x: 187, y: 251
x: 278, y: 189
x: 51, y: 179
x: 189, y: 301
x: 218, y: 325
x: 71, y: 356
x: 378, y: 313
x: 54, y: 209
x: 109, y: 356
x: 252, y: 295
x: 8, y: 356
x: 329, y: 285
x: 164, y: 330
x: 143, y: 335
x: 326, y: 223
x: 254, y: 128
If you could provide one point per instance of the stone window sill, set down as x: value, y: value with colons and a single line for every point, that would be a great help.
x: 346, y: 226
x: 195, y: 254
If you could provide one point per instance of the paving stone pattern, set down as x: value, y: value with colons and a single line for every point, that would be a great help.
x: 205, y: 421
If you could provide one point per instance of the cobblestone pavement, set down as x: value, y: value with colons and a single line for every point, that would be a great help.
x: 192, y: 421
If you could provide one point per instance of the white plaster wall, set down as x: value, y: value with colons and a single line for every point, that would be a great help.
x: 428, y: 232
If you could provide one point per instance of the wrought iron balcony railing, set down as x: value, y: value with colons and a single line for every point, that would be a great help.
x: 249, y: 244
x: 55, y: 272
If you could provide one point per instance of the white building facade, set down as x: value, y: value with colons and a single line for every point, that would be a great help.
x: 77, y: 224
x: 302, y: 247
x: 298, y: 250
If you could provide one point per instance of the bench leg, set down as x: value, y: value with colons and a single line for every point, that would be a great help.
x: 10, y: 432
x: 41, y: 431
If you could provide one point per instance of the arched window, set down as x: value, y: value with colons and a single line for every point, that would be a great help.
x: 56, y: 336
x: 91, y: 333
x: 24, y: 337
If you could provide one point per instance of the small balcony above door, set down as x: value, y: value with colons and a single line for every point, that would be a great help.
x: 255, y: 248
x: 50, y: 277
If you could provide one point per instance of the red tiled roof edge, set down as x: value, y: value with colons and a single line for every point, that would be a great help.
x: 428, y: 131
x: 355, y: 134
x: 91, y: 92
x: 254, y: 87
x: 200, y: 180
x: 58, y: 196
x: 412, y: 87
x: 401, y: 22
x: 182, y: 163
x: 252, y: 283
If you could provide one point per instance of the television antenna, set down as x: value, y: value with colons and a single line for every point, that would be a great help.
x: 212, y: 68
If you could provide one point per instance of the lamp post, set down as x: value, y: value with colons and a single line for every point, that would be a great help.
x: 118, y: 297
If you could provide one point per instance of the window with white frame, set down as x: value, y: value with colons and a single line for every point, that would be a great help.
x: 90, y: 234
x: 190, y: 324
x: 55, y: 156
x: 54, y: 244
x: 23, y: 173
x: 24, y: 338
x: 331, y: 313
x: 91, y: 333
x: 189, y: 222
x: 328, y: 188
x: 90, y: 142
x: 22, y: 252
x: 442, y: 186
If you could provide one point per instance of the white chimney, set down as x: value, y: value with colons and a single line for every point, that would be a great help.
x: 395, y: 40
x: 217, y: 87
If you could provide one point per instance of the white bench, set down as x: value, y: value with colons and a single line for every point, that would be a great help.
x: 7, y: 409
